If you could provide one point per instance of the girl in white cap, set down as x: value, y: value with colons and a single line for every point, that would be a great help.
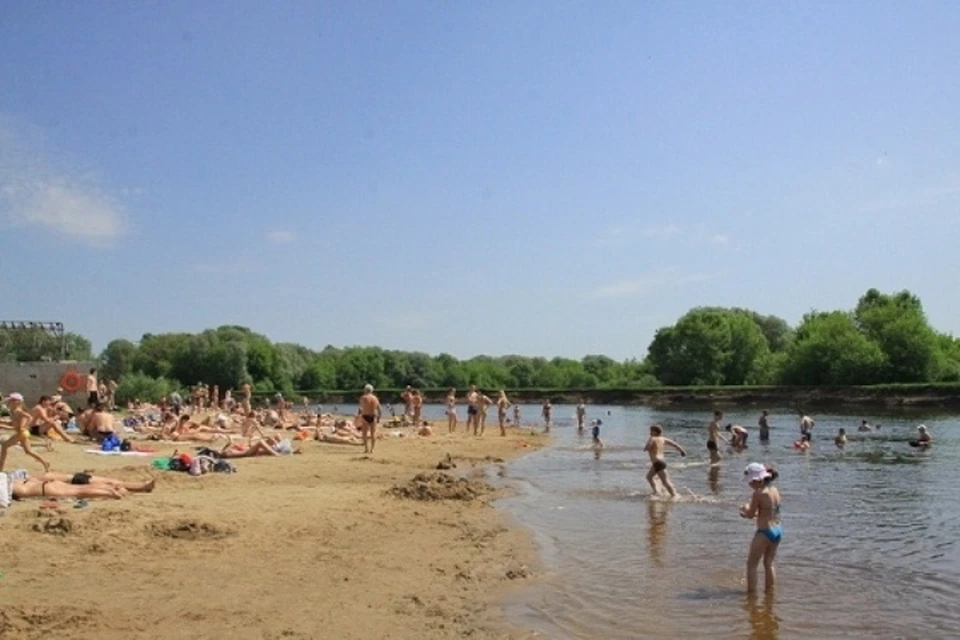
x: 764, y: 506
x: 20, y: 420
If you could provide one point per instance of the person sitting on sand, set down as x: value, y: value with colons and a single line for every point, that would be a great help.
x: 764, y: 506
x: 425, y: 431
x: 20, y: 419
x: 841, y: 438
x: 77, y: 485
x: 45, y: 421
x: 251, y: 425
x: 738, y: 436
x: 864, y: 426
x: 101, y: 423
x: 269, y: 446
x: 656, y: 449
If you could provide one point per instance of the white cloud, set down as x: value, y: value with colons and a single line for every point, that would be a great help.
x: 720, y: 239
x: 660, y: 231
x: 281, y: 237
x: 882, y: 160
x: 39, y: 189
x: 404, y: 320
x: 650, y: 282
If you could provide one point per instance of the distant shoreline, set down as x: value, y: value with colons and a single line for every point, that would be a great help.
x: 943, y: 395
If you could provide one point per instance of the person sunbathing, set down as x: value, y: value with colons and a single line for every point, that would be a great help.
x: 77, y: 485
x: 270, y: 446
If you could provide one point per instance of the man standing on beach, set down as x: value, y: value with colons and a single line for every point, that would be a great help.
x: 247, y: 391
x: 407, y: 397
x: 546, y: 412
x: 473, y: 410
x: 93, y: 389
x: 370, y: 414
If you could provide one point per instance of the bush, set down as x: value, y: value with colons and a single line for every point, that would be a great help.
x: 143, y: 387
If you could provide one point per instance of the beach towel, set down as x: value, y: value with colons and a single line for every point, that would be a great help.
x: 100, y: 452
x: 6, y: 490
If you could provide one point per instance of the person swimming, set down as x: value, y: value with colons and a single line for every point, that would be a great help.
x: 841, y: 437
x: 923, y: 439
x: 764, y: 506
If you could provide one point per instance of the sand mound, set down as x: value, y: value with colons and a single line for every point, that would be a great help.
x: 189, y: 530
x: 41, y: 621
x: 441, y: 486
x: 54, y: 525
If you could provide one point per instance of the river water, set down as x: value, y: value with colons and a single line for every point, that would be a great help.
x: 870, y: 543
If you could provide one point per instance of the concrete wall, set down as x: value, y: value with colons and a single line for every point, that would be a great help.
x: 34, y: 379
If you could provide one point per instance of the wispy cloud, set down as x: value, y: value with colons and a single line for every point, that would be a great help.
x: 629, y: 232
x: 918, y: 200
x: 650, y: 282
x: 404, y: 320
x: 720, y: 239
x: 40, y: 188
x: 281, y: 237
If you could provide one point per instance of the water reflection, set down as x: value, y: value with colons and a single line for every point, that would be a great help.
x: 764, y: 623
x: 657, y: 529
x: 713, y: 477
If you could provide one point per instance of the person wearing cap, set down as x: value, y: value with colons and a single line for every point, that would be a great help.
x: 923, y: 437
x: 764, y: 507
x: 20, y: 419
x: 370, y: 415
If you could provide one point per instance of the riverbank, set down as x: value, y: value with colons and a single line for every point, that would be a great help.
x: 942, y: 395
x: 305, y: 546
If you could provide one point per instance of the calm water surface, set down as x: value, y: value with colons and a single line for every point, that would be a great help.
x: 870, y: 531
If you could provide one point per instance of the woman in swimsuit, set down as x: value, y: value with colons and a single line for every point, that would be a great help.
x: 452, y: 410
x: 764, y: 506
x: 78, y: 485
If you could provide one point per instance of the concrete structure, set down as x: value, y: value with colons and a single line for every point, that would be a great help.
x: 34, y: 379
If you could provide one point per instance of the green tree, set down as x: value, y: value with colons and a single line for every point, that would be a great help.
x: 899, y: 326
x: 117, y: 359
x: 829, y: 349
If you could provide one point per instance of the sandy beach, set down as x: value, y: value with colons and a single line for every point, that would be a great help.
x: 305, y: 546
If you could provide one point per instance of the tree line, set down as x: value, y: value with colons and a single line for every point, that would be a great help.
x: 884, y: 339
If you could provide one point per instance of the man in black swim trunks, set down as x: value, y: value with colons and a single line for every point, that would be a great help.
x: 713, y: 435
x: 473, y: 410
x: 656, y: 448
x: 370, y: 416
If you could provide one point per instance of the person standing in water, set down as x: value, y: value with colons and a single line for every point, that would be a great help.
x: 581, y: 415
x: 370, y: 414
x: 546, y: 413
x: 806, y: 425
x: 764, y: 427
x: 451, y: 410
x: 713, y: 435
x: 656, y: 449
x: 738, y: 436
x: 841, y: 438
x: 595, y: 434
x: 764, y: 506
x: 516, y: 415
x: 502, y: 405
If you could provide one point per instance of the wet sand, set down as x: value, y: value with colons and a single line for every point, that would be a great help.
x: 305, y: 546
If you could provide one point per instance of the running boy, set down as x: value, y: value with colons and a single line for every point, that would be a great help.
x: 656, y: 449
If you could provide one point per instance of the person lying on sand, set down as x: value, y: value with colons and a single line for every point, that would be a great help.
x: 78, y: 485
x: 270, y: 446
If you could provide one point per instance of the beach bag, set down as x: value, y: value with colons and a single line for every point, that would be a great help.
x: 110, y: 443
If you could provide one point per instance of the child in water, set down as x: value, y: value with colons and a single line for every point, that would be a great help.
x: 841, y: 437
x: 595, y: 432
x: 764, y: 506
x: 656, y: 448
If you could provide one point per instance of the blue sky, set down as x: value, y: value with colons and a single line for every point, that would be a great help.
x: 543, y: 178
